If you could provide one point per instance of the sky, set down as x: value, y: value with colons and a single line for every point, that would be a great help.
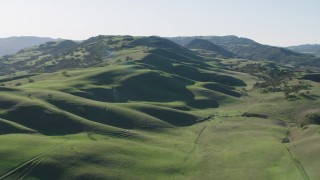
x: 272, y: 22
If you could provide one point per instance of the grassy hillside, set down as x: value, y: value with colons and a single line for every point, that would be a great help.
x: 219, y: 147
x: 145, y: 107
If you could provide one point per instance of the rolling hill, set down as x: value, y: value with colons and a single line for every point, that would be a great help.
x: 140, y: 70
x: 126, y: 107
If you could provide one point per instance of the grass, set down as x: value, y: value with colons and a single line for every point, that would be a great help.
x: 243, y: 148
x: 164, y: 114
x: 226, y: 147
x: 305, y: 148
x: 179, y: 154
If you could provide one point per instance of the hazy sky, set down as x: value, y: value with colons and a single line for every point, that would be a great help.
x: 274, y: 22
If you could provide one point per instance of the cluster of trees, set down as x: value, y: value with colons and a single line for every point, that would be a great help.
x: 252, y: 68
x: 54, y: 56
x: 274, y: 79
x: 292, y: 91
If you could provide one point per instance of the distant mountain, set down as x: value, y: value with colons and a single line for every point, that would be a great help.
x: 219, y: 40
x: 12, y: 45
x: 114, y: 50
x: 306, y: 48
x: 249, y: 49
x: 202, y: 44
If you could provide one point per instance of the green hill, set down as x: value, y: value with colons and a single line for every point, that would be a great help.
x: 123, y: 107
x: 151, y: 70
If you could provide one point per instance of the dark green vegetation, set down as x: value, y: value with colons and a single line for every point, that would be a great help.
x: 122, y: 107
x: 312, y: 76
x: 249, y: 49
x: 12, y: 45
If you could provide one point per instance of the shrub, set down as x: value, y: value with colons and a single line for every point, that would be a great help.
x: 30, y: 80
x: 65, y: 73
x: 247, y: 114
x: 18, y: 84
x: 128, y: 58
x: 290, y: 97
x: 313, y: 118
x: 286, y: 140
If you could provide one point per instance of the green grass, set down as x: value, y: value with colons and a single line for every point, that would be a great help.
x: 223, y: 148
x: 166, y: 113
x: 242, y: 148
x: 305, y: 149
x: 219, y: 148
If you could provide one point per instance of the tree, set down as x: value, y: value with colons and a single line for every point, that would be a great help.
x: 65, y: 73
x: 30, y: 80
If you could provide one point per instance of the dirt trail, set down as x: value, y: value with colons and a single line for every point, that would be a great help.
x: 191, y: 151
x: 298, y: 165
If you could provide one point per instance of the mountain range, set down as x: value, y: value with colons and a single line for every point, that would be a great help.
x: 249, y: 49
x: 12, y: 45
x: 56, y: 55
x: 306, y: 49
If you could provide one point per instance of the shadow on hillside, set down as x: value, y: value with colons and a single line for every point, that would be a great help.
x: 189, y: 71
